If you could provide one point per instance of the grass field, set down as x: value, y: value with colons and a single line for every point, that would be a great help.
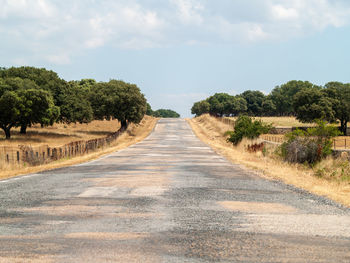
x: 282, y: 121
x: 60, y: 134
x: 329, y: 178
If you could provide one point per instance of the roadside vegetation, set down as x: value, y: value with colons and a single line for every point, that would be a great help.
x: 301, y: 99
x: 304, y: 160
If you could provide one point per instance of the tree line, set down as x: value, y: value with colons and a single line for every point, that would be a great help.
x: 161, y: 113
x: 302, y: 99
x: 30, y: 95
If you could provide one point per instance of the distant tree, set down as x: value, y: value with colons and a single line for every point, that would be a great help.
x: 269, y: 107
x: 45, y: 79
x: 77, y: 107
x: 339, y: 94
x: 149, y: 110
x: 119, y: 100
x: 36, y: 106
x: 200, y: 107
x: 282, y: 96
x: 312, y: 104
x: 166, y: 113
x: 238, y: 106
x: 254, y: 101
x: 10, y: 111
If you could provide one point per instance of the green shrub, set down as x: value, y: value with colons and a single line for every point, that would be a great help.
x: 309, y: 146
x: 245, y: 127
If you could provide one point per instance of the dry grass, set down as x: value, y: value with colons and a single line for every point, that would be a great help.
x: 282, y: 121
x: 60, y: 134
x: 134, y: 134
x: 211, y: 131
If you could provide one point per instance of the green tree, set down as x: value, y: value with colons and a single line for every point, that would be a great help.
x: 77, y: 107
x: 119, y: 100
x: 339, y: 94
x: 254, y: 101
x: 166, y: 113
x: 45, y: 79
x: 36, y: 106
x: 10, y: 111
x: 149, y: 110
x: 200, y: 107
x: 269, y: 107
x: 311, y: 104
x: 283, y: 96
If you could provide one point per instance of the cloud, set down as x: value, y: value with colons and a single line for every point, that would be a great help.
x: 59, y: 31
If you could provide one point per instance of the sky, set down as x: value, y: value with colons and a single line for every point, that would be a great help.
x: 181, y: 51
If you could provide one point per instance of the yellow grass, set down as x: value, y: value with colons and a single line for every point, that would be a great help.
x: 134, y: 134
x: 211, y: 131
x: 282, y: 121
x: 60, y: 134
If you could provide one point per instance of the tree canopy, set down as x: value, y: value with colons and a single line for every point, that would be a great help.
x: 30, y: 95
x: 165, y: 113
x: 302, y: 99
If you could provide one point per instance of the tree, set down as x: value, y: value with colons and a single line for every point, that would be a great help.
x: 269, y: 108
x: 339, y: 95
x: 166, y: 113
x: 77, y: 107
x: 45, y: 79
x: 119, y: 100
x: 149, y: 110
x: 36, y: 106
x: 282, y: 96
x: 254, y: 101
x: 200, y: 107
x: 10, y: 106
x: 311, y: 104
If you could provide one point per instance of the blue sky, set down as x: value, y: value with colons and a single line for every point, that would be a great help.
x: 181, y: 51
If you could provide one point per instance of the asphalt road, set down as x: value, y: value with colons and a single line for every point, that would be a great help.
x: 169, y: 198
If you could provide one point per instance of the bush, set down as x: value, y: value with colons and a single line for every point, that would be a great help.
x: 309, y: 146
x: 245, y: 127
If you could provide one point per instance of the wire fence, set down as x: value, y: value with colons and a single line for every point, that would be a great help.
x: 32, y: 156
x: 338, y: 143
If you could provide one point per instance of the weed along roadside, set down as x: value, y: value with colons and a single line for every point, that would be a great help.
x: 26, y: 159
x: 326, y: 178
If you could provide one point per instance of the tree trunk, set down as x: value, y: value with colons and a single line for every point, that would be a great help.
x: 7, y: 132
x: 23, y: 129
x: 124, y: 124
x: 343, y: 126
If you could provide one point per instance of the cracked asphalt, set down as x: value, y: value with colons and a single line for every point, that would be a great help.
x: 169, y: 198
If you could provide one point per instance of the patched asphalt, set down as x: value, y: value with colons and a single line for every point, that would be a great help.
x: 169, y: 198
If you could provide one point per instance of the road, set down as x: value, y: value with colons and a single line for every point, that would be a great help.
x: 169, y: 198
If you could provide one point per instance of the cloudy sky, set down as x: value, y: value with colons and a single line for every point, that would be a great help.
x: 181, y: 51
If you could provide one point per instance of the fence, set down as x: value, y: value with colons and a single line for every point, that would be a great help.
x: 337, y: 143
x: 45, y: 154
x: 227, y: 121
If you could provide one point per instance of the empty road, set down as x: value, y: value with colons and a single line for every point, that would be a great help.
x: 169, y: 198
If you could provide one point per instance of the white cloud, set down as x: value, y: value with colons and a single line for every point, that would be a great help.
x: 47, y: 28
x: 188, y: 11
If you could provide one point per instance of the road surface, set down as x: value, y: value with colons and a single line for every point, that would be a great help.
x: 169, y: 198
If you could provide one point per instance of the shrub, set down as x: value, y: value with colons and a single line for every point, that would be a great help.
x: 309, y: 146
x: 245, y: 127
